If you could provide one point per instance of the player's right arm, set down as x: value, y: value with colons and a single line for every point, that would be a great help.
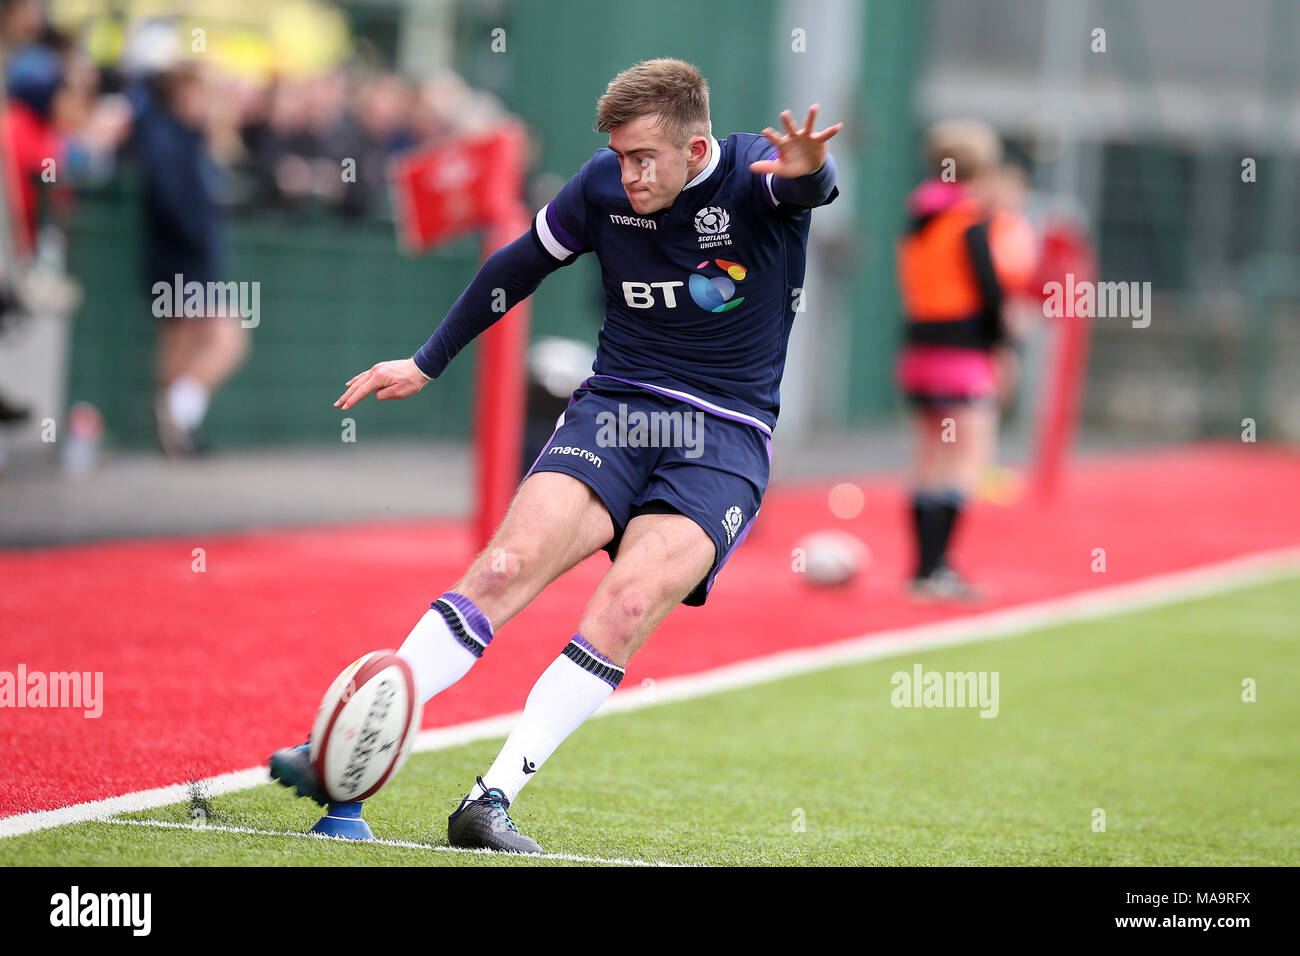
x: 556, y: 238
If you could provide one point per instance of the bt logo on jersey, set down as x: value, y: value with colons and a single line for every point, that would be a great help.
x: 640, y: 295
x: 713, y: 294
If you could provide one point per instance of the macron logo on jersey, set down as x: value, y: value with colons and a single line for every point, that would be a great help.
x: 620, y: 220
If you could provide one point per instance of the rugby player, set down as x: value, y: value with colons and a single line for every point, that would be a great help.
x: 701, y: 246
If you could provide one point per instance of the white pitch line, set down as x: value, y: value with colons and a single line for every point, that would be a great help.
x: 131, y: 802
x: 1200, y: 582
x: 404, y: 844
x: 1154, y: 591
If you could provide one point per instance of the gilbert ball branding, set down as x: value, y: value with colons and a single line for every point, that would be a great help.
x: 75, y: 908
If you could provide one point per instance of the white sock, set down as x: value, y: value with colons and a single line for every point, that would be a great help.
x: 567, y: 693
x: 187, y: 401
x: 445, y: 643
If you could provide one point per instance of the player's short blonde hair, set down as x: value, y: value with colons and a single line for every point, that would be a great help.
x: 972, y: 145
x: 673, y: 90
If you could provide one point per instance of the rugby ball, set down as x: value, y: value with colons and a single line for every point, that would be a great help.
x: 365, y: 727
x: 832, y: 557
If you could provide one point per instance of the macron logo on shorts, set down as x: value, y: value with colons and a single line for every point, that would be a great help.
x: 574, y: 450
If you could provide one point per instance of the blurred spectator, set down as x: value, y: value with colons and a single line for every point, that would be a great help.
x: 384, y: 108
x: 26, y: 132
x: 965, y: 251
x: 34, y: 149
x: 41, y: 104
x: 183, y: 243
x: 21, y: 23
x: 292, y: 142
x: 54, y: 131
x: 1015, y: 252
x: 285, y: 147
x: 297, y: 135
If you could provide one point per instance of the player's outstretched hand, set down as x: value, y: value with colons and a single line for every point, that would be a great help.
x: 397, y: 379
x: 799, y: 151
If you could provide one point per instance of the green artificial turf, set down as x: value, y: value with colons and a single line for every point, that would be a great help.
x: 1140, y: 715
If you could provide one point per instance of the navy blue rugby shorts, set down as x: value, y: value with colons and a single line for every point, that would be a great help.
x: 643, y: 452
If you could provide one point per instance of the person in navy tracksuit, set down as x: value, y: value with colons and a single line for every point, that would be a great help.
x: 184, y: 245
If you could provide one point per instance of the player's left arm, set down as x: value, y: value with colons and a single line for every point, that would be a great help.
x: 802, y: 173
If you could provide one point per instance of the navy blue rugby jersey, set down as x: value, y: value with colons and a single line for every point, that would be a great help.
x: 700, y: 297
